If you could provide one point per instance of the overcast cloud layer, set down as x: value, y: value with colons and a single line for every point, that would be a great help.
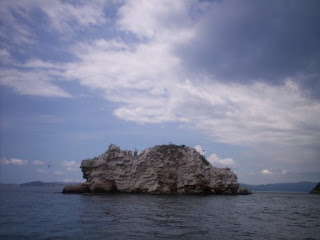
x: 242, y: 73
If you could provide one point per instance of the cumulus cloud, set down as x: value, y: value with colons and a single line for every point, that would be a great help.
x: 38, y: 162
x: 274, y: 172
x: 199, y: 149
x: 215, y: 160
x: 68, y: 163
x: 19, y: 162
x: 70, y: 166
x: 266, y: 172
x: 14, y: 161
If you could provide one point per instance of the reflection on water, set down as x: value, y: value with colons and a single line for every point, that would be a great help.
x: 39, y: 213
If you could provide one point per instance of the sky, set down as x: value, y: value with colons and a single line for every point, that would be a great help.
x: 237, y: 80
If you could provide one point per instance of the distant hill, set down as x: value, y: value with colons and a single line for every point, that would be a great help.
x: 8, y: 184
x: 282, y: 187
x: 45, y: 184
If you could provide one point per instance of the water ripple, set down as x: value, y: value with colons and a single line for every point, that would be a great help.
x: 39, y: 213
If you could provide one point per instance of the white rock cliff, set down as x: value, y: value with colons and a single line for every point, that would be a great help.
x: 165, y: 169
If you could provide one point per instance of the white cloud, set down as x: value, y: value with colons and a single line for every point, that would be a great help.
x: 64, y: 16
x: 14, y: 161
x: 38, y: 163
x: 4, y: 161
x: 142, y: 89
x: 199, y: 149
x: 154, y: 19
x: 70, y: 166
x: 246, y: 114
x: 274, y: 172
x: 41, y: 171
x: 266, y: 172
x: 33, y: 81
x: 69, y: 163
x: 5, y: 56
x: 72, y: 169
x: 18, y: 162
x: 14, y: 29
x: 58, y: 173
x: 215, y: 160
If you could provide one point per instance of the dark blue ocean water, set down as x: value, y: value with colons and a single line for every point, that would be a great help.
x: 45, y: 213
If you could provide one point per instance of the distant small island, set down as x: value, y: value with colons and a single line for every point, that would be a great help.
x: 164, y: 169
x: 316, y: 189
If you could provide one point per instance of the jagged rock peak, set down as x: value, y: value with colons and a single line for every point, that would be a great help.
x: 162, y: 169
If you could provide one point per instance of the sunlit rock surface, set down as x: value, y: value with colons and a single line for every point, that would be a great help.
x: 165, y: 169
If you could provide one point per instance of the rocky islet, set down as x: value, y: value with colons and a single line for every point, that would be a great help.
x: 164, y: 169
x: 316, y: 189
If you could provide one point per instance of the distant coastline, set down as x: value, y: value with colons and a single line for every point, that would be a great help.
x: 46, y: 184
x: 276, y: 187
x: 38, y: 184
x: 282, y: 187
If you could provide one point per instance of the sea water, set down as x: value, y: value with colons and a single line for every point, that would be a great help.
x: 45, y: 213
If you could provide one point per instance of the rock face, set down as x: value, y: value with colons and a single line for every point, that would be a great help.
x: 316, y: 189
x: 166, y: 169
